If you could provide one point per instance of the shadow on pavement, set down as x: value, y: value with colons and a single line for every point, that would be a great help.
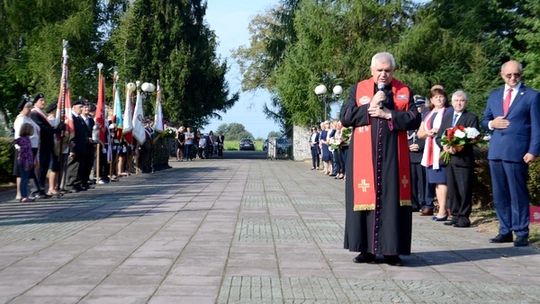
x: 445, y: 257
x: 107, y: 201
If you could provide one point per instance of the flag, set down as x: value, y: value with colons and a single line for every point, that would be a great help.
x: 63, y: 106
x: 100, y: 108
x: 138, y: 120
x: 127, y: 119
x: 158, y: 117
x: 128, y: 111
x: 117, y: 111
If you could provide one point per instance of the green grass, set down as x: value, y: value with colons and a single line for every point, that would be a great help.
x: 232, y: 145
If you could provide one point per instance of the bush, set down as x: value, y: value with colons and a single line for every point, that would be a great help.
x: 534, y: 182
x: 6, y: 160
x: 482, y: 195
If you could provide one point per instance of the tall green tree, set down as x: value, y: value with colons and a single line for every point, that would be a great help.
x: 529, y: 35
x: 272, y: 33
x: 31, y: 47
x: 336, y: 40
x: 170, y: 41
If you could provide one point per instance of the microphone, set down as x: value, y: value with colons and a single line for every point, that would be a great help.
x: 380, y: 87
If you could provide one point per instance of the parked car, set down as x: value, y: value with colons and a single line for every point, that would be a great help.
x: 283, y: 145
x: 247, y: 144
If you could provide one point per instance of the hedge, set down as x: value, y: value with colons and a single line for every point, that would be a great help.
x: 6, y: 160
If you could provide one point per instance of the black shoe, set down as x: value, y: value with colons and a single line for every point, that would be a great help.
x: 451, y: 222
x: 393, y: 260
x: 521, y: 242
x: 462, y: 225
x: 42, y: 195
x: 365, y: 258
x: 502, y: 238
x: 462, y: 222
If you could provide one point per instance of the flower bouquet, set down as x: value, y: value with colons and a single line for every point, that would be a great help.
x: 344, y: 140
x: 169, y: 132
x: 457, y: 137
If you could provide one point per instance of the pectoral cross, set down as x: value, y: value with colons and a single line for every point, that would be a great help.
x: 364, y: 186
x: 404, y: 181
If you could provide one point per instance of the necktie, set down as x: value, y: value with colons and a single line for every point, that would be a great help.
x: 506, y: 102
x: 455, y: 120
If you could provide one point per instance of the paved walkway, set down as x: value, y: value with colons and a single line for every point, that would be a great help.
x: 237, y: 231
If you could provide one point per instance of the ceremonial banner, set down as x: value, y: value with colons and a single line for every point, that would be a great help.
x: 138, y: 120
x: 101, y: 122
x: 117, y: 110
x: 63, y: 109
x: 158, y: 117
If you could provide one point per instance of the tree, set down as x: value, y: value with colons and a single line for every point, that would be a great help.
x: 177, y: 48
x: 273, y: 134
x: 31, y: 45
x: 234, y: 131
x: 272, y: 33
x: 529, y: 34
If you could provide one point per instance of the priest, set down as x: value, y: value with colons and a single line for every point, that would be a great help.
x: 378, y: 217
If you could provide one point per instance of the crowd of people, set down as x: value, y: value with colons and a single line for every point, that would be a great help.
x: 395, y: 162
x: 58, y: 162
x: 190, y: 145
x: 329, y: 144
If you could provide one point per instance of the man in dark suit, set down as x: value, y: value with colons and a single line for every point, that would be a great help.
x: 78, y: 147
x: 418, y: 172
x: 513, y: 114
x: 314, y: 144
x: 221, y: 142
x: 88, y: 162
x: 460, y: 169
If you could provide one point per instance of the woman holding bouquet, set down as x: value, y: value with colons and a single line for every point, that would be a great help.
x: 436, y: 174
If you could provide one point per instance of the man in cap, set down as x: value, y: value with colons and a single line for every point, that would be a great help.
x: 78, y: 149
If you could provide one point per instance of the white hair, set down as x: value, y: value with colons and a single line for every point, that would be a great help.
x: 383, y: 57
x: 460, y: 93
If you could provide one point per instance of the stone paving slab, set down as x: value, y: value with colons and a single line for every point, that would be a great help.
x: 237, y: 231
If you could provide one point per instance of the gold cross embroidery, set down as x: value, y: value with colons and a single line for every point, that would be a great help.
x: 404, y: 181
x: 364, y: 186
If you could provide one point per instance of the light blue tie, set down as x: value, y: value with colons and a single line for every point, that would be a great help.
x: 455, y: 120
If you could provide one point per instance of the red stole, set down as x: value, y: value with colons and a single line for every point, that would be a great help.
x: 364, y: 180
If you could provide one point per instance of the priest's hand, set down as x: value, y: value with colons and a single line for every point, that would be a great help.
x: 377, y: 99
x: 414, y: 147
x: 375, y: 111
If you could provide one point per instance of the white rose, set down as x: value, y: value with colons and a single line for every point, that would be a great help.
x: 459, y: 134
x: 472, y: 133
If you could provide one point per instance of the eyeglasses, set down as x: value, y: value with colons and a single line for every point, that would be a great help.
x: 510, y: 75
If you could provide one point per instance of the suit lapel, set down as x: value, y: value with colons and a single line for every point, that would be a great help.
x: 519, y: 94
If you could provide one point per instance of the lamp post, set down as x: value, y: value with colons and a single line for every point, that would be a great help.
x: 148, y: 88
x: 321, y: 91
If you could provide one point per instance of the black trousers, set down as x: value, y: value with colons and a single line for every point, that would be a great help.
x: 315, y: 156
x: 418, y: 185
x: 458, y: 180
